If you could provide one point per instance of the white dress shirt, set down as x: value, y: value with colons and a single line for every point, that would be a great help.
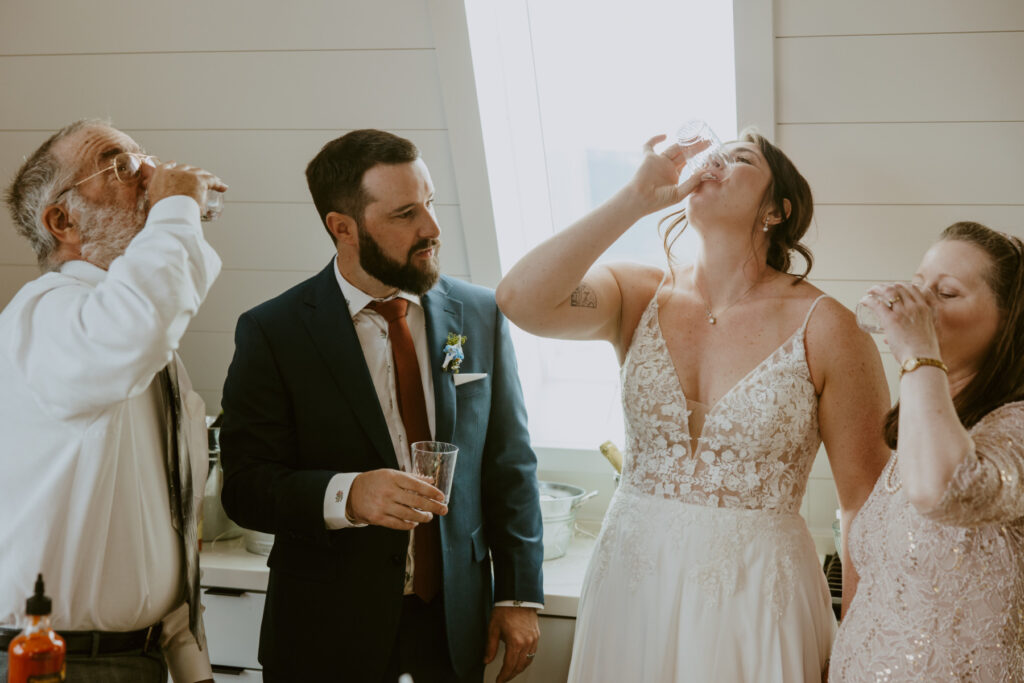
x: 372, y: 331
x: 83, y: 484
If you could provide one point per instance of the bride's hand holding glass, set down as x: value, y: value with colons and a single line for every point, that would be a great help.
x: 905, y: 314
x: 655, y: 185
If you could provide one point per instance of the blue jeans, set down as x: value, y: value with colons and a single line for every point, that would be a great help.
x: 130, y: 667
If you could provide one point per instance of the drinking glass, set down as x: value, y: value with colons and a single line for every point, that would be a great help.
x: 436, y: 461
x: 867, y: 319
x: 703, y: 151
x: 214, y: 205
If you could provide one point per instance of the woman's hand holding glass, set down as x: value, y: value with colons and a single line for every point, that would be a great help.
x: 656, y: 183
x: 704, y: 153
x: 905, y: 314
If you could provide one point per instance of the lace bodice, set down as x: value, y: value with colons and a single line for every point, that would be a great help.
x: 758, y: 441
x: 941, y: 594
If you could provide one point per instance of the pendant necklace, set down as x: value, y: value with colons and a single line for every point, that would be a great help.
x: 712, y: 318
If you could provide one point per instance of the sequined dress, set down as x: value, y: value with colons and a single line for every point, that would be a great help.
x: 704, y: 570
x: 941, y: 595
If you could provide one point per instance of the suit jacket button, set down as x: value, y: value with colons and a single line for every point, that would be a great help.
x: 397, y: 559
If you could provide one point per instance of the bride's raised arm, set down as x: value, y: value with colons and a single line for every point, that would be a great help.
x: 556, y: 291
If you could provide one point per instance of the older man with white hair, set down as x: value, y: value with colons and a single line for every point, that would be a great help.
x: 102, y: 442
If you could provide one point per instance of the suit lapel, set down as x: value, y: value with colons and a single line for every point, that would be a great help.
x: 443, y: 315
x: 330, y: 326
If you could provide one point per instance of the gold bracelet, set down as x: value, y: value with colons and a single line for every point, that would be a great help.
x: 911, y: 364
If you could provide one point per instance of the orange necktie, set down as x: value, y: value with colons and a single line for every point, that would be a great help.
x: 426, y: 580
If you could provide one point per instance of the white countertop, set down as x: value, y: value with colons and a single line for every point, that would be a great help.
x: 227, y: 564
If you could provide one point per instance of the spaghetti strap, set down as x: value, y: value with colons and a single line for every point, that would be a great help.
x: 814, y: 305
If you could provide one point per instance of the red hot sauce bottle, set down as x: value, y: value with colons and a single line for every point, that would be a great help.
x: 37, y: 654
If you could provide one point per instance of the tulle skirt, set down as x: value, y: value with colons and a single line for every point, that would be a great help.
x: 680, y: 592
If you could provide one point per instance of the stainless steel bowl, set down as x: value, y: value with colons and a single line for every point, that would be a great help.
x: 558, y: 505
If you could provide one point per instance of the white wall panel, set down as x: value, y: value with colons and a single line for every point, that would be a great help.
x: 11, y: 280
x: 207, y: 356
x: 887, y: 242
x: 825, y: 17
x: 226, y: 90
x: 250, y: 89
x: 270, y: 165
x: 950, y: 77
x: 236, y: 291
x: 272, y: 236
x: 912, y: 163
x: 14, y: 249
x: 267, y: 236
x: 61, y: 27
x: 258, y: 165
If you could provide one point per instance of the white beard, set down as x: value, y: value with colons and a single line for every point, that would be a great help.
x: 107, y: 230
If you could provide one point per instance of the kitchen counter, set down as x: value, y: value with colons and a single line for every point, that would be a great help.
x: 227, y: 564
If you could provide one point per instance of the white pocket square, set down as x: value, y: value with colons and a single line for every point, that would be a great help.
x: 466, y: 377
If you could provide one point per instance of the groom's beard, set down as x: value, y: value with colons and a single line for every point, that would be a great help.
x: 408, y: 277
x: 107, y: 230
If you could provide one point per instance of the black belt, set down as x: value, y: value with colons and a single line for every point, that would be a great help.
x: 94, y: 643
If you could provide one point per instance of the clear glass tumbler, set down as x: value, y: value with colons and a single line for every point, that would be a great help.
x: 435, y: 460
x: 703, y: 151
x: 867, y: 319
x: 214, y: 205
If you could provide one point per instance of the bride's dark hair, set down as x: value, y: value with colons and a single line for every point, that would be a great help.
x: 783, y: 238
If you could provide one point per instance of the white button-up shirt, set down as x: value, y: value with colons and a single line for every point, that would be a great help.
x: 83, y: 483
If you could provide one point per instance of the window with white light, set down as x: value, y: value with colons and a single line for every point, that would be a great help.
x: 569, y: 91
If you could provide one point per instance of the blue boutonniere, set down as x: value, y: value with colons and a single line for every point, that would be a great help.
x: 453, y: 353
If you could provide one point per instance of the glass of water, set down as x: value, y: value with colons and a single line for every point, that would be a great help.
x: 867, y: 319
x: 703, y: 151
x: 213, y: 206
x: 435, y: 460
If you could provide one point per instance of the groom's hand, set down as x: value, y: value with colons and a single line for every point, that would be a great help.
x: 394, y: 499
x: 519, y: 627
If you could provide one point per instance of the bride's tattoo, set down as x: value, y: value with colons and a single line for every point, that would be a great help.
x: 583, y: 297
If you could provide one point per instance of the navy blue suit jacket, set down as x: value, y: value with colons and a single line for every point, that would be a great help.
x: 299, y: 406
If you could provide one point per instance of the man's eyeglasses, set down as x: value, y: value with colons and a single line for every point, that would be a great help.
x: 127, y: 166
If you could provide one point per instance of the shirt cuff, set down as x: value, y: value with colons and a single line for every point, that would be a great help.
x: 175, y: 207
x: 518, y: 603
x: 335, y: 500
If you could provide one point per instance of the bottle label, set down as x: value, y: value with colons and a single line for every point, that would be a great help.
x: 46, y: 678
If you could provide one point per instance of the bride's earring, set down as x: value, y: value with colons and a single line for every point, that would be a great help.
x: 765, y: 228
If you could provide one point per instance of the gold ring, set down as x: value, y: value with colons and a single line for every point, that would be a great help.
x: 893, y: 300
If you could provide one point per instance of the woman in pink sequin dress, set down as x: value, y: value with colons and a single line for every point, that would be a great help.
x: 940, y: 543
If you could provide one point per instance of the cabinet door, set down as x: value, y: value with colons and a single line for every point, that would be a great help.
x: 551, y: 665
x: 233, y: 619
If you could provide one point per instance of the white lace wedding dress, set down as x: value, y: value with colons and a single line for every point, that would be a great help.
x: 704, y: 570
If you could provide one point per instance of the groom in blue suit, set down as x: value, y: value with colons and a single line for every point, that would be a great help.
x: 371, y: 574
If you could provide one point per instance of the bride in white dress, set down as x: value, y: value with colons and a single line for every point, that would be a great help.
x: 733, y: 373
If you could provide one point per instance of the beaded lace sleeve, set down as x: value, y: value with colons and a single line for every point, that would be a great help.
x: 988, y: 486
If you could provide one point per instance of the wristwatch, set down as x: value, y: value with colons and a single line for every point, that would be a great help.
x: 911, y: 364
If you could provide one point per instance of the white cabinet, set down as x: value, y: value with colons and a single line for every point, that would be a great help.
x: 233, y: 617
x: 235, y: 584
x: 233, y: 675
x: 551, y: 665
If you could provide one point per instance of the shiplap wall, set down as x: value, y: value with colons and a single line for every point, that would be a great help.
x: 250, y: 89
x: 904, y: 117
